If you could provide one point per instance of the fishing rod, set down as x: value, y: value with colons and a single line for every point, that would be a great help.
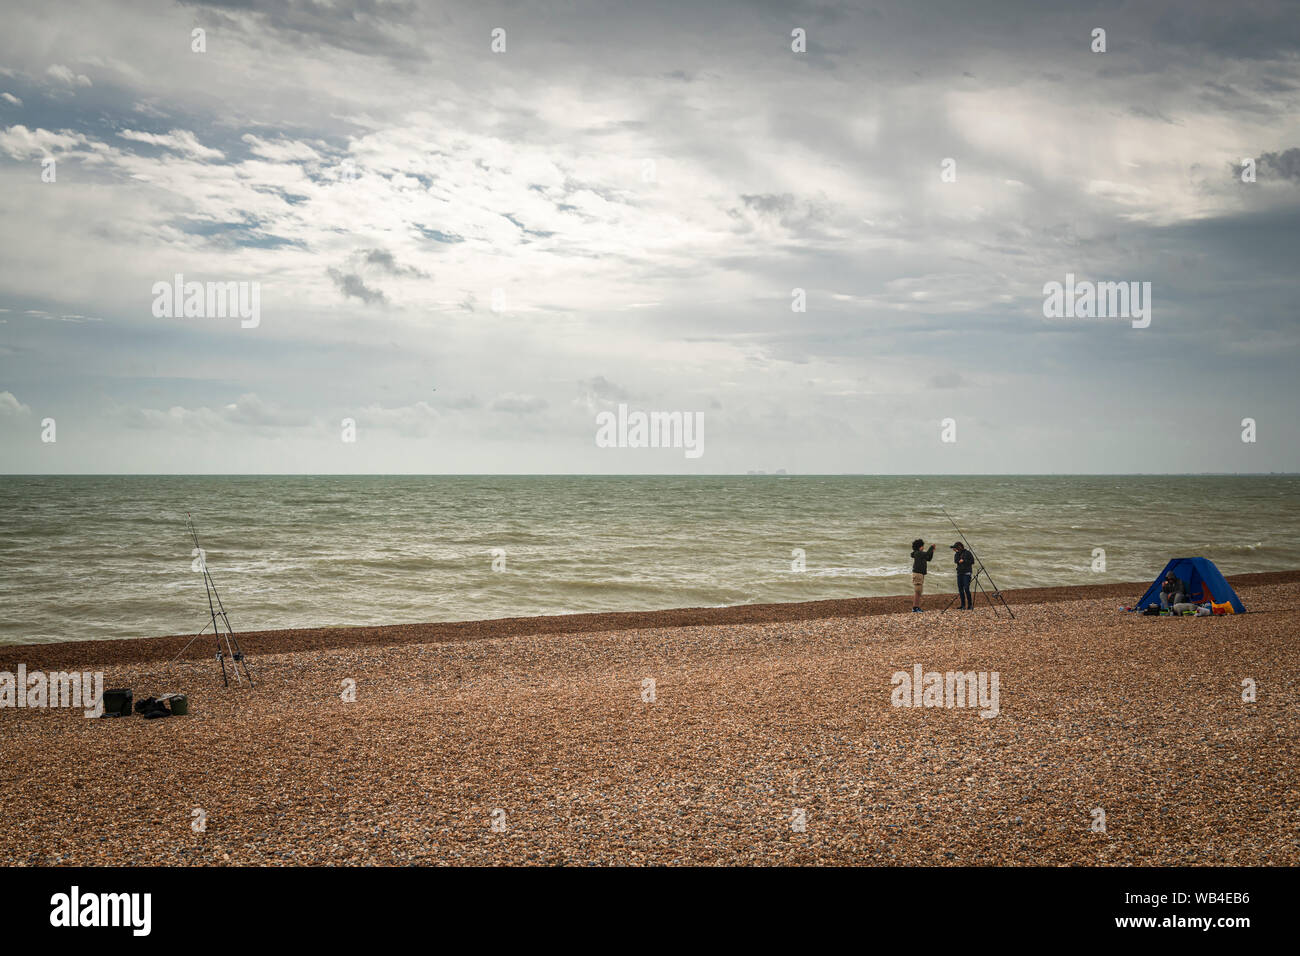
x: 981, y: 570
x: 207, y: 589
x: 232, y: 647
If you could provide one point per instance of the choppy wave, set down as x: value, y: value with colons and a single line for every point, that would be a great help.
x: 857, y: 572
x: 109, y: 557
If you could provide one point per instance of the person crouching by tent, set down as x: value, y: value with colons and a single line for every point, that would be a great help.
x: 964, y: 561
x: 1200, y: 579
x: 920, y: 559
x: 1172, y: 592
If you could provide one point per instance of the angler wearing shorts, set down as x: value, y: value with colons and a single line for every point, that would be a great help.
x: 920, y: 558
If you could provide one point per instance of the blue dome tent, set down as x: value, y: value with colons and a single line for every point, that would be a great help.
x: 1203, y: 580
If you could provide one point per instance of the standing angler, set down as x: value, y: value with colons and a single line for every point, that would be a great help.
x: 919, y: 561
x: 964, y: 561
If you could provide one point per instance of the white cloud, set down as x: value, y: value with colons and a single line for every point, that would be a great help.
x: 282, y: 150
x: 66, y: 76
x: 247, y: 412
x: 178, y: 140
x: 10, y: 407
x: 23, y: 143
x: 146, y: 108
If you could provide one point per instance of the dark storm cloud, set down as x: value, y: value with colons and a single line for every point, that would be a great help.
x: 367, y: 27
x: 354, y: 287
x: 384, y: 260
x: 1284, y: 165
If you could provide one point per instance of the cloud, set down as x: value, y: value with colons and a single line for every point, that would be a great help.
x: 146, y: 108
x: 354, y: 287
x: 178, y: 140
x: 23, y: 143
x: 1285, y: 165
x: 416, y: 420
x: 66, y: 76
x: 10, y: 407
x: 385, y: 261
x: 517, y: 404
x: 247, y: 412
x: 281, y: 150
x: 10, y: 98
x: 352, y: 283
x: 602, y: 388
x: 597, y: 392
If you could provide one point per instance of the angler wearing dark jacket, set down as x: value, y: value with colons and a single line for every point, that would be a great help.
x: 1172, y: 591
x: 964, y: 560
x: 920, y: 559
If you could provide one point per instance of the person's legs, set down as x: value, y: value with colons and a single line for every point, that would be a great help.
x: 918, y: 583
x: 963, y: 589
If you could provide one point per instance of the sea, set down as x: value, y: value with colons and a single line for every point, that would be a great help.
x: 94, y: 557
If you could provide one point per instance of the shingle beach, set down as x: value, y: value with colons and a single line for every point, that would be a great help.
x: 751, y: 735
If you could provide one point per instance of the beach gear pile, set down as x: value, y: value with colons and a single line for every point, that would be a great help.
x: 118, y: 703
x: 1184, y: 610
x: 1206, y: 591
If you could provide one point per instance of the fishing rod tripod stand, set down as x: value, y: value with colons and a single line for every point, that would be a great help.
x: 980, y: 571
x: 217, y: 612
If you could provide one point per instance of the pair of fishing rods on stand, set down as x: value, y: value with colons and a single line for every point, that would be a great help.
x: 217, y: 615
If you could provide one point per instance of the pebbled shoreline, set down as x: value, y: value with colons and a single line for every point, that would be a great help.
x: 751, y: 727
x: 70, y: 654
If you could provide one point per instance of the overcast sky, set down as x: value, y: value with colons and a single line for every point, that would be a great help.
x: 644, y: 185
